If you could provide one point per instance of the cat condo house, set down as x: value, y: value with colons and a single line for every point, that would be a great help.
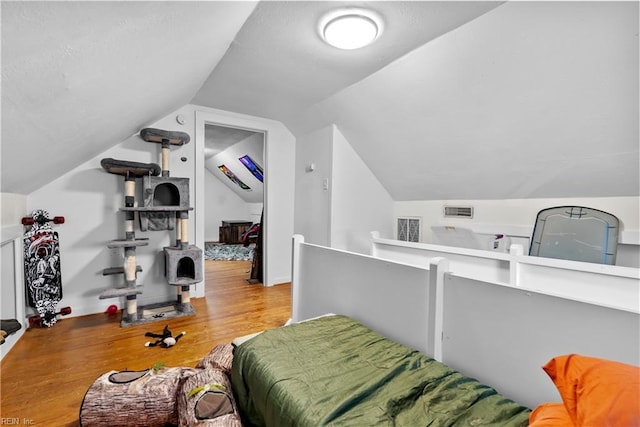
x: 165, y: 207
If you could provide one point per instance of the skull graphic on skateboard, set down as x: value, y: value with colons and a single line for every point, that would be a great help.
x: 42, y: 267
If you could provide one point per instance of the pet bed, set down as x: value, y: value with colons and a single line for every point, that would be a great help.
x: 165, y: 397
x: 134, y: 398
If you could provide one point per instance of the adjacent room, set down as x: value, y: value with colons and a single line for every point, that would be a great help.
x: 192, y: 192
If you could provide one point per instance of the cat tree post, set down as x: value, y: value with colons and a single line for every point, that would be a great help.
x: 183, y: 262
x: 166, y: 150
x: 129, y: 201
x: 184, y: 298
x: 130, y: 171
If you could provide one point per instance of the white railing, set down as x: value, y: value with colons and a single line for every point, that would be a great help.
x: 606, y: 285
x: 500, y: 332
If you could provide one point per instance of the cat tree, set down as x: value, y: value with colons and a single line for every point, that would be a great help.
x: 165, y: 207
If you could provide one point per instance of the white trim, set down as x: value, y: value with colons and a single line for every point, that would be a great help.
x: 202, y: 119
x: 10, y: 232
x: 629, y: 237
x: 437, y: 267
x: 297, y: 241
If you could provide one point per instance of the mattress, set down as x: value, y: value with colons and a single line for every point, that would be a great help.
x: 335, y: 371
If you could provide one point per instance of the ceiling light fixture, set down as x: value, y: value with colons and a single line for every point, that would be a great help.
x: 350, y: 28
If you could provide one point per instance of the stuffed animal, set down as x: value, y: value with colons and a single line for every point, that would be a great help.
x: 165, y: 339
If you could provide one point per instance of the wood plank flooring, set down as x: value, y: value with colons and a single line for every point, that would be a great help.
x: 46, y: 374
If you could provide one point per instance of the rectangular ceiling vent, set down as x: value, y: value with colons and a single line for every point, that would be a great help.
x: 458, y: 212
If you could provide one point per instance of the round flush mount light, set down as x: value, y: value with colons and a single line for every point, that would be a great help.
x: 350, y: 28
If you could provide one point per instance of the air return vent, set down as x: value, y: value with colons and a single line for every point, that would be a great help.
x: 409, y: 229
x: 458, y: 211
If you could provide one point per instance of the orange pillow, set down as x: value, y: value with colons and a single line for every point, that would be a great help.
x: 597, y: 392
x: 550, y: 415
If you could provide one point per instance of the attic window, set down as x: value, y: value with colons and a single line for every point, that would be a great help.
x: 225, y: 170
x: 253, y: 167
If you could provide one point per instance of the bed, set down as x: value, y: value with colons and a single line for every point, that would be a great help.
x: 333, y: 370
x: 419, y: 345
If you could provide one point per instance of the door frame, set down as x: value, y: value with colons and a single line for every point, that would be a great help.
x: 279, y: 166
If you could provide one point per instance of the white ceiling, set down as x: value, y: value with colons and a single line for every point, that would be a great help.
x: 80, y: 77
x: 279, y: 67
x: 218, y: 138
x: 456, y: 100
x: 225, y: 146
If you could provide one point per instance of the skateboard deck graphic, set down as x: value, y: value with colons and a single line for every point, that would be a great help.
x: 42, y: 266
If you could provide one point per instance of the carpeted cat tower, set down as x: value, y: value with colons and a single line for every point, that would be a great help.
x: 165, y: 207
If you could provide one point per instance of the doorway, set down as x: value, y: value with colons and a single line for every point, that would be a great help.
x: 279, y: 188
x: 234, y: 196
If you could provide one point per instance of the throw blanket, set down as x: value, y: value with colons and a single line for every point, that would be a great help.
x: 335, y: 371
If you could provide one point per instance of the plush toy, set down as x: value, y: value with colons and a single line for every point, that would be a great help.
x: 165, y: 339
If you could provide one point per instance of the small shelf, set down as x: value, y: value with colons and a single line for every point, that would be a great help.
x: 118, y: 270
x: 184, y: 281
x: 128, y: 243
x: 120, y: 292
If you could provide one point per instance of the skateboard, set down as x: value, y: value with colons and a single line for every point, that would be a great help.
x: 42, y: 267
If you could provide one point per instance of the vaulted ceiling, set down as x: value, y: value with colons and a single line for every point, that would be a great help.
x: 455, y: 100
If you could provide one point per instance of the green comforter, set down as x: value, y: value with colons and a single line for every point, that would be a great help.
x: 335, y: 371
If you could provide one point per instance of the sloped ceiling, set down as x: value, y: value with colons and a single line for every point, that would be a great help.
x: 80, y: 77
x: 456, y: 100
x: 531, y: 100
x: 225, y: 146
x: 280, y: 68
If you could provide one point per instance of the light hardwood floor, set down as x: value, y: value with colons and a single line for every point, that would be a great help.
x: 46, y: 374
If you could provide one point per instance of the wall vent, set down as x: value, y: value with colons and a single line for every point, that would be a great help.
x: 458, y: 211
x: 409, y: 229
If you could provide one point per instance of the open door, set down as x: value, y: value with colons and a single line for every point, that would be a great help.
x: 256, y: 265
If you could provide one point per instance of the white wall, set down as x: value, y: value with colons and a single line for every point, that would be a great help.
x: 359, y: 203
x: 90, y: 199
x: 220, y: 203
x: 516, y: 217
x: 255, y: 212
x: 313, y: 201
x: 340, y: 201
x: 14, y: 207
x: 534, y: 99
